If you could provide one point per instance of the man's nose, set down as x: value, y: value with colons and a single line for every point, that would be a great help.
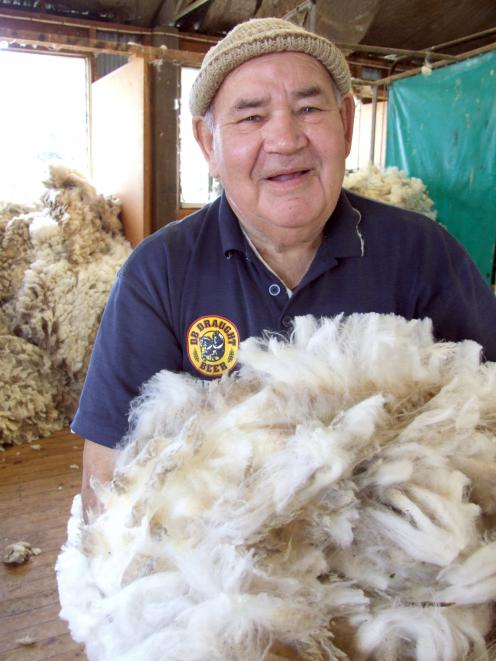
x: 283, y: 134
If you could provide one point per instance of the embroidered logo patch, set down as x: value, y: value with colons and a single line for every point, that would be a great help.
x: 213, y: 343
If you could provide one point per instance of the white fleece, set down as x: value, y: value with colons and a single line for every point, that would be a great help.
x: 315, y: 504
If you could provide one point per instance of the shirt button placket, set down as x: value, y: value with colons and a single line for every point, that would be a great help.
x: 274, y: 289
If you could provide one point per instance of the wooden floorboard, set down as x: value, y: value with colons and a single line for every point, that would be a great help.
x: 36, y: 492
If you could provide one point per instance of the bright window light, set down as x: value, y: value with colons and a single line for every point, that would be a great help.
x: 194, y: 176
x: 43, y: 119
x: 362, y: 133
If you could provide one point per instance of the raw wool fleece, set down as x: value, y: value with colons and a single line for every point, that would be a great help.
x: 30, y: 390
x: 333, y: 500
x: 15, y: 248
x: 56, y: 270
x: 392, y: 186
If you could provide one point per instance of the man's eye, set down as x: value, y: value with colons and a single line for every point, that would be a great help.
x: 251, y: 118
x: 306, y: 110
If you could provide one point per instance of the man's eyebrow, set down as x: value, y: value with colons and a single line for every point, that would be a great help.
x: 305, y: 92
x: 249, y: 104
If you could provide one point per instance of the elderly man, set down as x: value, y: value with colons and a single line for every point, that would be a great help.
x: 273, y: 115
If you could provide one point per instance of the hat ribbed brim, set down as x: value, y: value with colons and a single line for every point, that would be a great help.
x: 260, y: 37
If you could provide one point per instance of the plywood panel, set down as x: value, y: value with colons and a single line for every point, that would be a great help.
x: 120, y: 143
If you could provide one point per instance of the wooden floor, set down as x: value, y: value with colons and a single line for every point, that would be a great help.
x: 36, y: 491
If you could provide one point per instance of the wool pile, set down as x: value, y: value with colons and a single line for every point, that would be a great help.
x: 393, y: 186
x: 57, y: 264
x: 333, y: 499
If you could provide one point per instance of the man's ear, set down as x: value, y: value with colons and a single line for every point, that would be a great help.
x: 205, y: 138
x: 347, y: 112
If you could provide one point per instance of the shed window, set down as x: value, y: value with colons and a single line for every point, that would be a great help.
x: 43, y: 119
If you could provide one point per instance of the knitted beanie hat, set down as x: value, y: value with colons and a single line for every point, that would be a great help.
x: 260, y: 36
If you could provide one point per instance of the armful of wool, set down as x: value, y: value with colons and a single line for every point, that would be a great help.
x: 332, y: 500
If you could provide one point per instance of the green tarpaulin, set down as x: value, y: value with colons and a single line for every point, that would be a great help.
x: 442, y: 129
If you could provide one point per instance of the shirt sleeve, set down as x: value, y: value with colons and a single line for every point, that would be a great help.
x: 134, y: 341
x: 455, y: 296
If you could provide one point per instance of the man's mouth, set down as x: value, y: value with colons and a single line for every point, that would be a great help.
x: 288, y: 176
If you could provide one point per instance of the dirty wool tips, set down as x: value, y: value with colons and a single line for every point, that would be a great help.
x: 334, y: 499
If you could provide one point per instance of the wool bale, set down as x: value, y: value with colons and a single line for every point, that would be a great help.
x: 81, y: 214
x: 313, y: 505
x: 59, y: 305
x: 57, y: 266
x: 15, y: 249
x: 392, y: 186
x: 29, y: 392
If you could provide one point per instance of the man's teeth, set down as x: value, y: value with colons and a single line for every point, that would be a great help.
x: 288, y: 176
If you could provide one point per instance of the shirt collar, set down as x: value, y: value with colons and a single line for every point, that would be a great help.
x: 231, y: 235
x: 342, y: 237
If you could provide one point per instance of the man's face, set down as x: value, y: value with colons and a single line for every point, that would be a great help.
x: 279, y: 145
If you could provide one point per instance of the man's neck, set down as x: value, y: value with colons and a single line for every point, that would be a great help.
x: 288, y: 262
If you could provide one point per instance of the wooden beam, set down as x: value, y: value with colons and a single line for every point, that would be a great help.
x: 58, y: 42
x: 193, y: 6
x: 38, y: 22
x: 54, y: 19
x: 364, y: 48
x: 434, y: 65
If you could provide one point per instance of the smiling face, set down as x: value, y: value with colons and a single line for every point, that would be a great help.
x: 278, y: 145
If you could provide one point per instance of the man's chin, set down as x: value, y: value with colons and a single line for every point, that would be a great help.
x: 296, y: 214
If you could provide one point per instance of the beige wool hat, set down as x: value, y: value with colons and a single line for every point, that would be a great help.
x: 261, y: 36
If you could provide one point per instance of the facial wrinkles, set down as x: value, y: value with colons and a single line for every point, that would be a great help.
x: 286, y: 147
x: 279, y: 163
x: 270, y: 159
x: 284, y: 132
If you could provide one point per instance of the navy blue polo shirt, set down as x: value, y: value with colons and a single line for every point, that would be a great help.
x: 193, y: 290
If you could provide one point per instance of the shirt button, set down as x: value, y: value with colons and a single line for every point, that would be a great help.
x: 287, y: 321
x: 274, y: 289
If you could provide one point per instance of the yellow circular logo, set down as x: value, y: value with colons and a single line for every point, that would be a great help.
x: 213, y: 343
